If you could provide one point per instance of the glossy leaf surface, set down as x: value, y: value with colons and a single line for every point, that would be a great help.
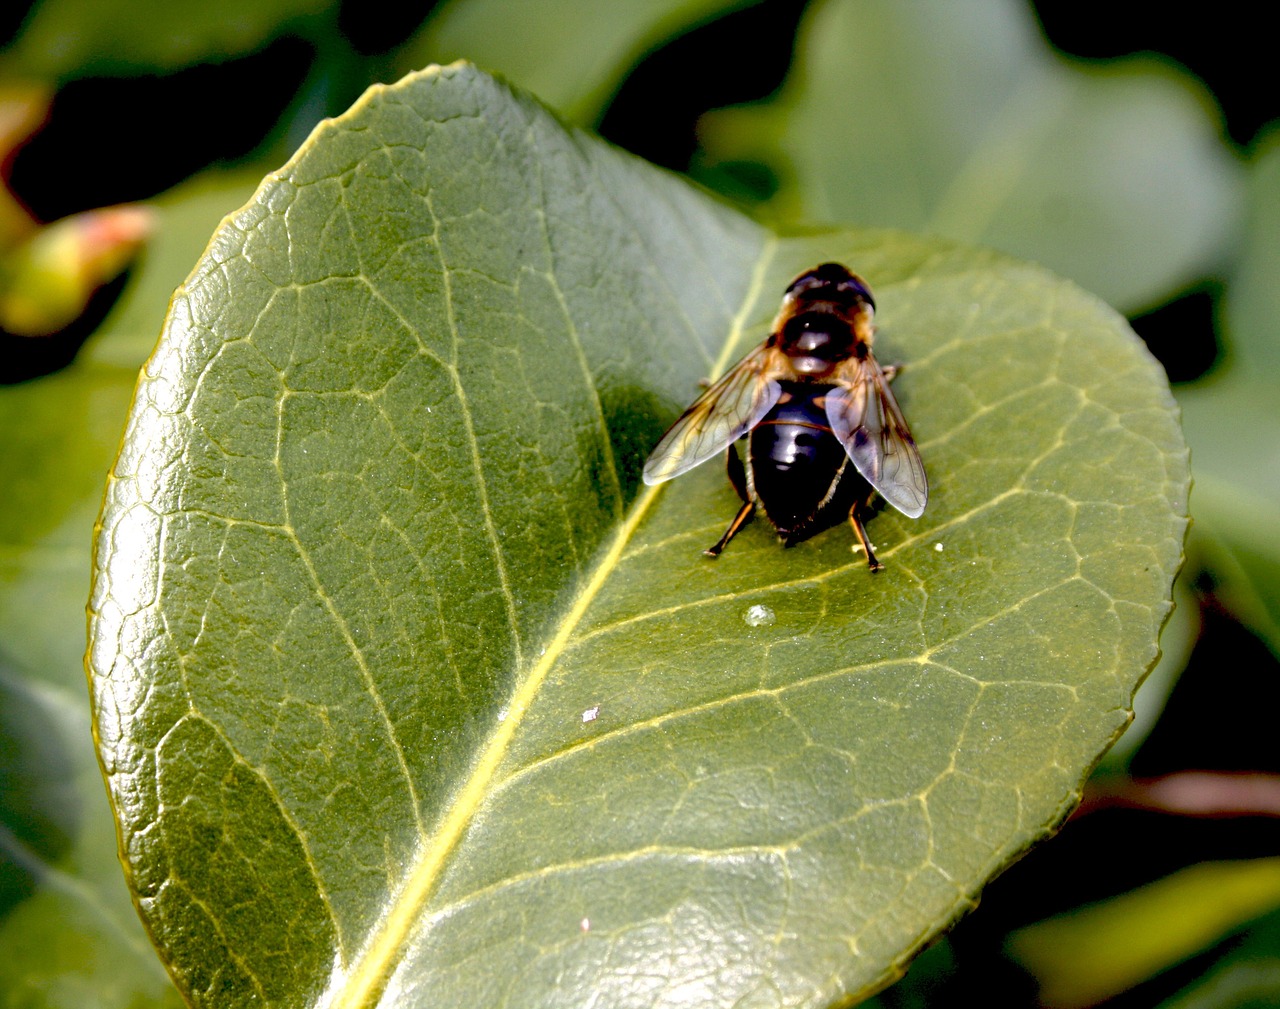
x: 409, y: 693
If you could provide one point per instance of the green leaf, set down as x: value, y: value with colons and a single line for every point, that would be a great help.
x: 1232, y: 420
x: 572, y: 54
x: 1253, y: 303
x: 70, y: 38
x: 1130, y: 938
x: 1244, y: 975
x: 69, y: 933
x: 956, y: 119
x: 70, y: 937
x: 186, y: 216
x: 375, y: 552
x: 60, y: 435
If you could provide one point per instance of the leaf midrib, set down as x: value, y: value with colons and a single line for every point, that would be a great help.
x: 363, y: 984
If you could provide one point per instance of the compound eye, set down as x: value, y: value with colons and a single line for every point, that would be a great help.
x: 859, y: 287
x: 860, y: 291
x: 804, y: 282
x: 825, y: 275
x: 832, y: 282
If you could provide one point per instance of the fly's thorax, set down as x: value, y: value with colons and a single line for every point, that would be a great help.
x: 823, y: 335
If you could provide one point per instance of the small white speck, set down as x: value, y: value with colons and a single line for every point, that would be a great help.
x: 759, y: 616
x: 543, y: 652
x: 590, y: 714
x: 938, y: 547
x: 502, y: 714
x: 585, y: 924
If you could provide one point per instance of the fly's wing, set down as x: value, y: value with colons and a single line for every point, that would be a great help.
x: 865, y: 417
x: 721, y: 415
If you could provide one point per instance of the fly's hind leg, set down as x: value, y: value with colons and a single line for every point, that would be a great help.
x: 739, y: 520
x: 861, y: 532
x: 737, y: 477
x: 737, y: 472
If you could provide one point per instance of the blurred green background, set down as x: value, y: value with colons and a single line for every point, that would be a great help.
x: 1132, y: 151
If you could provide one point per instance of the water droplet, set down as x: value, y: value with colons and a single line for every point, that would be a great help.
x: 759, y: 616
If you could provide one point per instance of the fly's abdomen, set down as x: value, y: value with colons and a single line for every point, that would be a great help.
x: 796, y: 462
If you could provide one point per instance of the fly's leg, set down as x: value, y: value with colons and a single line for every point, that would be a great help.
x: 861, y: 532
x: 737, y: 472
x: 737, y: 477
x: 738, y: 522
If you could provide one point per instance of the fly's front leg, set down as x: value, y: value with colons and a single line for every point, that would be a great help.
x: 738, y: 477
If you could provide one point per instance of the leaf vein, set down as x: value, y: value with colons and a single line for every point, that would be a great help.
x: 360, y: 985
x: 477, y: 465
x: 344, y: 629
x: 682, y: 853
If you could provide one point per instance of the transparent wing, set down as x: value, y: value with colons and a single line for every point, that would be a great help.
x: 722, y: 414
x: 865, y: 417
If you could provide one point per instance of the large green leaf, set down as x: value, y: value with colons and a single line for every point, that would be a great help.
x: 955, y: 118
x: 375, y: 553
x: 69, y: 935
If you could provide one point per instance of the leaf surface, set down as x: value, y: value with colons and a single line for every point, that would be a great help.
x: 409, y: 693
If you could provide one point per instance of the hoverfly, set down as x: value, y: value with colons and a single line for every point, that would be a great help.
x: 812, y: 399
